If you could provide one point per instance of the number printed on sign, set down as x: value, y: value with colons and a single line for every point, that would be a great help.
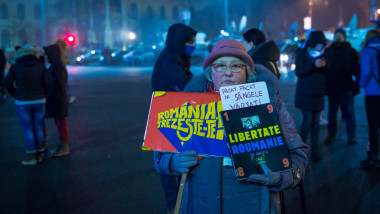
x: 240, y: 171
x: 285, y: 161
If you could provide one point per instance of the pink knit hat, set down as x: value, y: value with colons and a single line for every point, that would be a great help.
x: 228, y: 47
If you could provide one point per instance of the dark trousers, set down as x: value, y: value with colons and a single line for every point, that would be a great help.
x: 344, y: 100
x: 310, y: 123
x: 372, y: 104
x: 170, y: 185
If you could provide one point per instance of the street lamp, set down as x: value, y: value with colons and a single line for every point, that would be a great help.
x: 132, y: 36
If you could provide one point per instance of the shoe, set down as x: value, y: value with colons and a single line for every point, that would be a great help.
x: 330, y: 140
x: 352, y: 141
x: 62, y: 150
x: 370, y: 163
x: 30, y: 160
x: 39, y: 157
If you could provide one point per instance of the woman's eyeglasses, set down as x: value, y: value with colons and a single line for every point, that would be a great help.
x: 234, y: 68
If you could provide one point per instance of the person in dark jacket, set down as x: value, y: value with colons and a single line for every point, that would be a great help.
x: 172, y: 73
x: 342, y: 69
x: 262, y: 52
x: 57, y: 101
x: 30, y: 77
x: 3, y: 62
x: 211, y: 186
x: 172, y: 69
x: 370, y: 81
x: 311, y: 87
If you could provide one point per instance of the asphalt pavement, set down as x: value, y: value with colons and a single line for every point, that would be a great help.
x: 107, y: 172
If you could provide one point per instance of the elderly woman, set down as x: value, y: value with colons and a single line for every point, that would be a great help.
x: 211, y: 185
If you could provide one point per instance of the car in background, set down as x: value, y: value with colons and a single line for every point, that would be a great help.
x: 140, y: 55
x: 288, y: 56
x: 117, y: 56
x: 93, y: 56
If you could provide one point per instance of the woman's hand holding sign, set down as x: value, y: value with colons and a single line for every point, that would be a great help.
x: 268, y: 179
x: 182, y: 161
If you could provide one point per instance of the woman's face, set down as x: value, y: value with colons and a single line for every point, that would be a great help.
x: 231, y: 75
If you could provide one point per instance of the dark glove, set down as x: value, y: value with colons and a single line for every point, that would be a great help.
x: 182, y: 161
x: 268, y: 179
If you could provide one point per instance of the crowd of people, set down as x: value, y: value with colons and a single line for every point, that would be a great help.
x: 39, y: 93
x: 323, y: 69
x: 335, y: 70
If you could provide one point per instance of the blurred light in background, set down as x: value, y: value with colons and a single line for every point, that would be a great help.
x: 132, y: 36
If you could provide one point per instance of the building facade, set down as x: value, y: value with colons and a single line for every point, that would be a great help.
x: 92, y: 22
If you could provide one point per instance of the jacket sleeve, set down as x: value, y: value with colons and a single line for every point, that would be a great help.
x: 366, y: 67
x: 61, y: 75
x: 176, y: 76
x: 48, y: 78
x: 304, y: 67
x: 297, y: 150
x: 9, y: 81
x: 162, y: 163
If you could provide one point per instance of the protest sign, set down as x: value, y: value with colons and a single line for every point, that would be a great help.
x: 255, y: 137
x: 181, y: 121
x: 246, y: 95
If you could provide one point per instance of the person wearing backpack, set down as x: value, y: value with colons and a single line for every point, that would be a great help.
x: 370, y: 81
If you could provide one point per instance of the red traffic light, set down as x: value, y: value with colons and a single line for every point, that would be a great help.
x: 70, y: 39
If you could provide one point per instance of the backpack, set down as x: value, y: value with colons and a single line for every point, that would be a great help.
x: 378, y: 65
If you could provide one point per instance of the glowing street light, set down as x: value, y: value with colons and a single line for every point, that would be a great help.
x: 132, y: 36
x: 378, y: 11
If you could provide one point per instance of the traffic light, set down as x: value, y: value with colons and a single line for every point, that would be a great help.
x: 70, y: 39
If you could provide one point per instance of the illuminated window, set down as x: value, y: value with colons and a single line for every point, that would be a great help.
x: 134, y: 14
x: 162, y: 12
x: 20, y: 11
x: 5, y: 39
x: 175, y: 12
x: 3, y: 11
x: 37, y: 11
x: 150, y: 12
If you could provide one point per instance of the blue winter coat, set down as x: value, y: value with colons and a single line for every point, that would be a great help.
x: 212, y: 187
x: 369, y: 67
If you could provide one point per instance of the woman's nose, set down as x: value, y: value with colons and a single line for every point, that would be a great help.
x: 228, y: 72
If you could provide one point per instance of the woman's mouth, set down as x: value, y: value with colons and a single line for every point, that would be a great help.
x: 227, y: 82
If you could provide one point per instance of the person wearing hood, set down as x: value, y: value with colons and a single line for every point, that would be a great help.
x: 172, y: 73
x: 342, y: 74
x: 26, y: 81
x: 370, y: 81
x: 264, y: 54
x: 62, y: 49
x: 211, y: 185
x: 311, y: 89
x: 172, y: 69
x: 57, y: 101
